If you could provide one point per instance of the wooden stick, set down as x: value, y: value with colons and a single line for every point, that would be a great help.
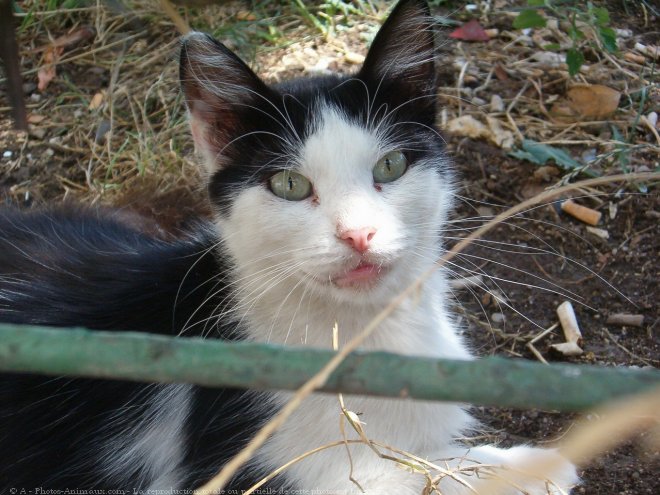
x: 10, y: 57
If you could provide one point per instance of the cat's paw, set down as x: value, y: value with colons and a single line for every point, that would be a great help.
x: 531, y: 471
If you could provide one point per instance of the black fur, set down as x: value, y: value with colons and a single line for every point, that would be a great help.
x: 85, y: 268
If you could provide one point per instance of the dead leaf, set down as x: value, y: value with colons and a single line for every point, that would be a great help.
x: 546, y: 173
x: 245, y: 15
x: 48, y: 70
x: 499, y: 135
x: 586, y: 101
x: 33, y: 118
x: 53, y: 52
x: 80, y: 34
x: 470, y: 31
x: 500, y: 73
x: 633, y: 57
x: 83, y: 33
x: 96, y: 101
x: 594, y: 100
x: 468, y: 126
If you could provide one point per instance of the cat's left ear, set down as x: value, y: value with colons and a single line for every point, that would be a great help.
x: 404, y: 50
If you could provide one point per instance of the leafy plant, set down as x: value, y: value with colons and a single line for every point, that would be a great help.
x: 575, y: 14
x: 540, y: 154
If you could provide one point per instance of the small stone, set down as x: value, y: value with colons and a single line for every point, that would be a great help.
x: 7, y: 154
x: 497, y: 318
x: 354, y: 58
x: 496, y: 103
x: 38, y: 132
x: 623, y: 33
x: 101, y: 131
x: 321, y: 67
x: 589, y: 155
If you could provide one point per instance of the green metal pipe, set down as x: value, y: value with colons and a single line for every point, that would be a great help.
x: 154, y: 358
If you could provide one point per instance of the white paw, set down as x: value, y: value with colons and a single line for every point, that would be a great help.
x: 489, y: 470
x: 533, y: 471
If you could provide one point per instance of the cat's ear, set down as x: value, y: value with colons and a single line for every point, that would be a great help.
x: 217, y: 86
x: 404, y: 49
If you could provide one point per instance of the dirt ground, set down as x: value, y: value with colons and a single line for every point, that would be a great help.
x: 130, y: 147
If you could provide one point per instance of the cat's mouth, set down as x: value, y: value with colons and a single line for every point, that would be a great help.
x: 364, y: 275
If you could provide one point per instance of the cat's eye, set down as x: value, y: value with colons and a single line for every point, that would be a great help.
x: 290, y: 185
x: 390, y: 167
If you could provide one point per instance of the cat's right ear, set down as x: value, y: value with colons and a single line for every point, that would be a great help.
x: 217, y: 86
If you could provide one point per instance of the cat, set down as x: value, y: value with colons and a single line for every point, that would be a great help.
x: 330, y: 194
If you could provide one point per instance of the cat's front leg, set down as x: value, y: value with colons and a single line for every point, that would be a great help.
x: 515, y: 471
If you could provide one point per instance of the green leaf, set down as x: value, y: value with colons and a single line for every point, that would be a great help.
x: 601, y: 15
x: 608, y: 37
x: 529, y: 18
x: 552, y: 47
x: 536, y: 3
x: 575, y: 33
x: 574, y: 60
x: 542, y: 153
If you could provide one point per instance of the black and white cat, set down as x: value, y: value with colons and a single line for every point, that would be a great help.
x: 330, y: 195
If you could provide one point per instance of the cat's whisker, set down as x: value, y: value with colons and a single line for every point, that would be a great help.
x: 303, y: 280
x: 243, y: 283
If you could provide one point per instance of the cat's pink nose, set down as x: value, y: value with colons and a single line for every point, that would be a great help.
x: 358, y: 239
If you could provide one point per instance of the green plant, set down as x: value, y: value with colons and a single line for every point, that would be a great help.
x: 323, y: 17
x: 576, y: 15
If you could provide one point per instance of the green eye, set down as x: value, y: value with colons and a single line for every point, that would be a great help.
x: 390, y: 167
x: 290, y: 185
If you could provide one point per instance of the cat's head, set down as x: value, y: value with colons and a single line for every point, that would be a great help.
x: 337, y: 185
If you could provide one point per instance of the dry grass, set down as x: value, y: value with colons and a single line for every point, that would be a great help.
x: 135, y: 133
x: 113, y: 121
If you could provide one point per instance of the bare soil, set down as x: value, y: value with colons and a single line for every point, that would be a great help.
x: 602, y: 277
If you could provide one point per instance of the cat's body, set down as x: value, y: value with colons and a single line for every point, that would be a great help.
x: 355, y: 217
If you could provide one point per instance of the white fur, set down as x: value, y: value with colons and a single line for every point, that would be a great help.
x: 152, y: 446
x: 286, y: 252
